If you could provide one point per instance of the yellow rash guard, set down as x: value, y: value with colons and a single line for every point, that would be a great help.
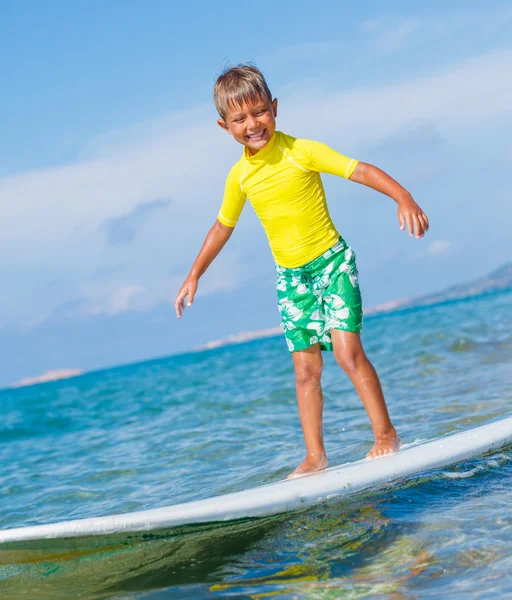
x: 282, y: 182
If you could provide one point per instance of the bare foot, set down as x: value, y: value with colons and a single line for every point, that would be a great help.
x: 312, y: 463
x: 384, y: 445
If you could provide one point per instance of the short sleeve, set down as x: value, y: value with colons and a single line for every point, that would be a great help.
x: 234, y: 199
x: 324, y: 159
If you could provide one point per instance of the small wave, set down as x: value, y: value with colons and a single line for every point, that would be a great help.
x: 461, y: 474
x: 500, y: 458
x: 414, y: 443
x: 491, y: 463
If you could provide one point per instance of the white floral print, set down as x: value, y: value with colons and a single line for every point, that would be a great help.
x: 323, y: 296
x: 290, y: 311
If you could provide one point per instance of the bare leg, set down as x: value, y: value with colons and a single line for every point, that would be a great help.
x: 349, y: 354
x: 308, y: 371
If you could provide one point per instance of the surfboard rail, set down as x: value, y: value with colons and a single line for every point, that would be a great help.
x: 288, y: 495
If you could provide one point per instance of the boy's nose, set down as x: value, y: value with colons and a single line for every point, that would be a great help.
x: 252, y: 122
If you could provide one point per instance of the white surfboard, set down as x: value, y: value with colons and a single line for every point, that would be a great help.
x: 285, y: 496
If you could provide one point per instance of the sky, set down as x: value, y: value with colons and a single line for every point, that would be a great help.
x: 112, y: 165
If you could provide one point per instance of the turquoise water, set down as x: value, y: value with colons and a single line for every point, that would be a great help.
x: 197, y: 425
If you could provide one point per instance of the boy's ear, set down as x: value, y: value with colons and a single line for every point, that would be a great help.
x: 274, y: 106
x: 224, y: 125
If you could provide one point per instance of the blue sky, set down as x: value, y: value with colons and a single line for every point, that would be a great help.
x: 112, y: 166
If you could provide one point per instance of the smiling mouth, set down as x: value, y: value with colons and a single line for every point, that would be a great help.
x: 256, y: 136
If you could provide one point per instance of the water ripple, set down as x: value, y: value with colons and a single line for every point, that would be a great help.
x: 197, y: 425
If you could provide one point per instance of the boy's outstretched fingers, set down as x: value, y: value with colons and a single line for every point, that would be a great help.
x: 418, y: 226
x: 178, y: 304
x: 424, y: 220
x: 411, y: 216
x: 410, y: 224
x: 187, y: 289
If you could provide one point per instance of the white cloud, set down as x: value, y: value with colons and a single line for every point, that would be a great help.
x: 43, y: 206
x: 50, y: 217
x: 123, y: 299
x: 438, y: 247
x: 455, y: 97
x: 112, y: 296
x: 387, y: 36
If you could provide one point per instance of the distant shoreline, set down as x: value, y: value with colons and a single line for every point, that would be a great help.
x: 388, y: 308
x: 54, y: 375
x: 498, y: 281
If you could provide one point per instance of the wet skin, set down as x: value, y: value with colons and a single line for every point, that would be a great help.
x: 350, y: 356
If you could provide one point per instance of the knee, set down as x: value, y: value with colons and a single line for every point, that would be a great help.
x: 349, y: 359
x: 308, y: 374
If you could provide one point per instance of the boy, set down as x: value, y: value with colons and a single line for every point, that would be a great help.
x: 317, y: 285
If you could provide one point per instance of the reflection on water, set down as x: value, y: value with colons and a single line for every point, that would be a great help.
x: 103, y: 566
x: 315, y: 550
x: 375, y: 544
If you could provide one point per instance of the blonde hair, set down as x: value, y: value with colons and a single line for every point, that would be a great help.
x: 238, y: 85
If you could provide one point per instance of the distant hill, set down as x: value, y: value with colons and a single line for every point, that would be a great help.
x: 500, y: 279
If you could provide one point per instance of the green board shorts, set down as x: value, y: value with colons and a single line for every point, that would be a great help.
x: 319, y: 296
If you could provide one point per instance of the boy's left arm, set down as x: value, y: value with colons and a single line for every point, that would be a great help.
x: 409, y: 213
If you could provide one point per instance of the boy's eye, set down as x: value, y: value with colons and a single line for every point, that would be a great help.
x: 239, y: 120
x: 260, y: 112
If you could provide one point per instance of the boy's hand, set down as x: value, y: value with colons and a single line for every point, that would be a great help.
x: 188, y: 288
x: 411, y: 215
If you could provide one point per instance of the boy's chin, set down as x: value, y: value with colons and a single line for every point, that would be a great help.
x: 253, y: 148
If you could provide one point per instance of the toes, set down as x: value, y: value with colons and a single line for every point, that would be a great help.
x: 379, y: 453
x: 307, y: 468
x: 295, y: 474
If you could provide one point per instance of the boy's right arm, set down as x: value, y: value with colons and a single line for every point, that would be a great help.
x: 216, y: 239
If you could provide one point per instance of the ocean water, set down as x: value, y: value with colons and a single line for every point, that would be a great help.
x: 201, y: 424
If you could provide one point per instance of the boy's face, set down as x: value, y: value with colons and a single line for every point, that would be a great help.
x: 251, y: 124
